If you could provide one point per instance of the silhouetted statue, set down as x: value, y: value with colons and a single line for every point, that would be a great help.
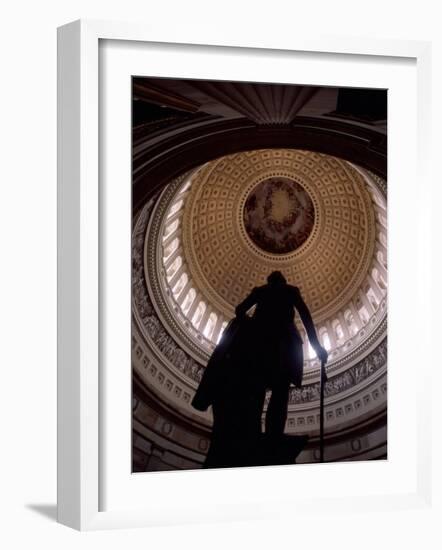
x: 278, y: 342
x: 255, y: 354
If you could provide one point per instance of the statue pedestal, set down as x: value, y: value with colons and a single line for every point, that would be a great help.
x: 280, y: 450
x: 261, y: 450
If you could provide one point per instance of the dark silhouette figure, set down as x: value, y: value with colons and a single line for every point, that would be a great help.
x: 278, y: 342
x: 256, y: 353
x: 232, y: 386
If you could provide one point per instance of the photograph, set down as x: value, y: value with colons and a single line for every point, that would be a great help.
x: 259, y: 274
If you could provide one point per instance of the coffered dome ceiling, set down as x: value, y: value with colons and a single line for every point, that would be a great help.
x: 306, y: 214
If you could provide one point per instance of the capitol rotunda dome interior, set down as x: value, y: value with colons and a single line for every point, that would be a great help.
x: 205, y: 238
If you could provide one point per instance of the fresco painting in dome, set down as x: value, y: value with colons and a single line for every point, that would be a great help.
x: 279, y: 215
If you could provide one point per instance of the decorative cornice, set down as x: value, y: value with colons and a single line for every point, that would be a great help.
x: 158, y: 161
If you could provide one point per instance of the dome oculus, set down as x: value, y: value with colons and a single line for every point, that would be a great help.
x: 278, y: 215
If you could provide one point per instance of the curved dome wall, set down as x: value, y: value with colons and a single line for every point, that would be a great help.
x: 194, y: 260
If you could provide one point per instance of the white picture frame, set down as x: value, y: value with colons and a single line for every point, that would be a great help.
x: 82, y: 397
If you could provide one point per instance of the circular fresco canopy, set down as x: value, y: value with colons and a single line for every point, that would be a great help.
x: 278, y: 215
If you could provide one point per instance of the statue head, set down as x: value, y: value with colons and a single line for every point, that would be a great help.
x: 276, y: 278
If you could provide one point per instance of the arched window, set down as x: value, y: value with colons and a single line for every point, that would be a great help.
x: 382, y: 219
x: 381, y: 258
x: 185, y: 188
x: 372, y: 298
x: 210, y: 325
x: 339, y: 333
x: 188, y: 300
x: 180, y: 284
x: 170, y: 248
x: 379, y: 279
x: 198, y: 315
x: 170, y: 228
x: 363, y: 313
x: 324, y: 338
x: 175, y: 208
x: 378, y: 200
x: 174, y: 266
x: 352, y: 328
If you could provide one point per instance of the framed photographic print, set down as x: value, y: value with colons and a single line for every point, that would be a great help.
x: 233, y: 235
